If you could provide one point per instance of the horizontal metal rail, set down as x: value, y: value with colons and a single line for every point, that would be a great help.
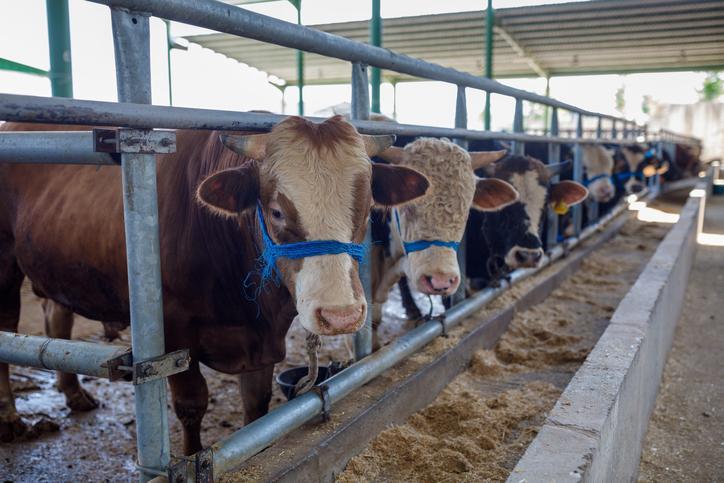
x: 71, y: 356
x: 51, y: 147
x: 253, y: 438
x: 79, y: 112
x: 229, y: 19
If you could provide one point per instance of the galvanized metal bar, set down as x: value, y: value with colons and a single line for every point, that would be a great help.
x: 461, y: 121
x: 61, y: 67
x: 236, y: 21
x: 518, y: 147
x: 66, y: 111
x: 554, y: 156
x: 361, y: 110
x: 72, y: 356
x: 599, y: 128
x: 614, y: 130
x: 578, y: 173
x: 376, y: 41
x: 256, y: 436
x: 53, y: 147
x: 489, y: 22
x: 140, y: 209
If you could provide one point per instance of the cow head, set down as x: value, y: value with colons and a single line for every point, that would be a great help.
x: 441, y: 214
x: 514, y: 233
x: 598, y: 162
x: 313, y: 182
x: 639, y: 162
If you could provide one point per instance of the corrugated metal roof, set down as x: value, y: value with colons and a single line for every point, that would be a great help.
x: 594, y: 37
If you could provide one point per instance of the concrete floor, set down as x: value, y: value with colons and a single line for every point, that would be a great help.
x: 685, y: 438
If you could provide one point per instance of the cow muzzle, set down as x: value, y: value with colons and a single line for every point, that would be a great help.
x: 340, y: 319
x: 438, y: 284
x: 520, y: 257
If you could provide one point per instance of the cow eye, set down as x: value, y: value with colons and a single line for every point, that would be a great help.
x: 277, y: 214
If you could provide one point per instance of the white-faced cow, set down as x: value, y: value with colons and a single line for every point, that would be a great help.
x: 221, y: 212
x: 421, y: 238
x: 511, y: 238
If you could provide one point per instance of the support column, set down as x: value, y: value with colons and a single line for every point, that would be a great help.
x: 461, y: 121
x: 375, y: 40
x: 140, y: 208
x: 61, y: 66
x: 361, y: 111
x: 518, y: 147
x: 489, y: 21
x: 554, y: 156
x: 300, y: 60
x: 578, y: 173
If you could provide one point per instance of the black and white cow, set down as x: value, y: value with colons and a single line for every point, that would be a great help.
x: 500, y: 242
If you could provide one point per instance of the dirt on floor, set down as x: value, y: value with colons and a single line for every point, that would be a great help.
x: 685, y: 438
x: 508, y: 390
x: 480, y: 425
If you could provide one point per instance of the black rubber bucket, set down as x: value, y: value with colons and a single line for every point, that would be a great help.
x: 289, y: 378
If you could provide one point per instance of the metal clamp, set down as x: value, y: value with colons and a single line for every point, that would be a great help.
x: 323, y: 392
x: 179, y: 472
x: 165, y: 365
x: 439, y: 318
x: 134, y: 141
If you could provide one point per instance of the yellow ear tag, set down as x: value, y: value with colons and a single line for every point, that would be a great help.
x: 560, y: 207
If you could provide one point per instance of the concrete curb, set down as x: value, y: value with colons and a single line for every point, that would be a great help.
x: 597, y: 427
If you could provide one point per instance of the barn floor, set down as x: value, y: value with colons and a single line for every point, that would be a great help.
x: 685, y: 438
x: 514, y: 386
x: 481, y: 424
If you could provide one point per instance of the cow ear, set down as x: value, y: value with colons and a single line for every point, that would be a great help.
x: 230, y: 191
x: 649, y: 170
x: 396, y: 185
x: 479, y: 159
x: 663, y: 168
x: 392, y: 155
x: 251, y: 146
x: 492, y: 194
x: 567, y: 193
x: 374, y: 145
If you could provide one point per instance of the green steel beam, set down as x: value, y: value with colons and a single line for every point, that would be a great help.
x: 300, y: 59
x: 489, y: 20
x: 12, y: 66
x: 375, y: 40
x: 61, y: 67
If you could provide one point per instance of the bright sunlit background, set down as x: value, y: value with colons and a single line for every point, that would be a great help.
x: 201, y: 78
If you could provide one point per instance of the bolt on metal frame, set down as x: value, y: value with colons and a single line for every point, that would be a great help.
x: 131, y: 40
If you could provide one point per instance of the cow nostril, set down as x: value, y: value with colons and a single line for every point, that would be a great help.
x: 521, y: 256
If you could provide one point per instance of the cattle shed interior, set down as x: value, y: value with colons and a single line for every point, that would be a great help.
x: 593, y: 37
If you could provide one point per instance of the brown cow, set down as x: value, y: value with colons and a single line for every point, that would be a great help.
x: 62, y: 227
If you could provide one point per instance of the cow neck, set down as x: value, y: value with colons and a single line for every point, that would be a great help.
x: 419, y: 245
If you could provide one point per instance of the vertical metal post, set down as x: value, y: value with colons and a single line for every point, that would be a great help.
x: 169, y: 46
x: 546, y: 108
x: 554, y: 156
x: 599, y: 128
x: 461, y: 121
x: 578, y: 173
x: 61, y: 66
x: 140, y: 209
x: 361, y: 110
x: 375, y: 40
x: 625, y: 130
x: 489, y: 21
x: 614, y: 131
x: 300, y: 60
x: 518, y: 147
x: 394, y: 100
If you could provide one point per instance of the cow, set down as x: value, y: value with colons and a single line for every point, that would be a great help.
x: 511, y: 238
x: 223, y: 202
x: 419, y: 241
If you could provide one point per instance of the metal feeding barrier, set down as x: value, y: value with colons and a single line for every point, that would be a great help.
x: 135, y: 145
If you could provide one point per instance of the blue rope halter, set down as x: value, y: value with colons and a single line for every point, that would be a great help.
x: 587, y: 181
x: 419, y: 245
x: 313, y: 248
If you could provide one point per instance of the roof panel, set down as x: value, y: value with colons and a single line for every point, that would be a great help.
x: 603, y: 36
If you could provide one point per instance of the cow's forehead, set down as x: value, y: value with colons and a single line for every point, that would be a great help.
x: 318, y: 168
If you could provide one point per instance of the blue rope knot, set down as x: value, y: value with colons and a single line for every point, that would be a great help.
x: 314, y: 248
x: 419, y: 245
